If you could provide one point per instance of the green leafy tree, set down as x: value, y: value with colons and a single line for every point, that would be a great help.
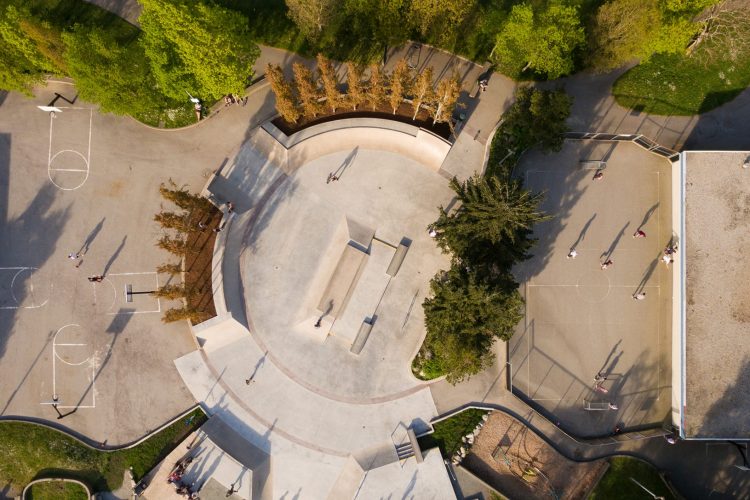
x: 312, y: 16
x: 493, y: 223
x: 196, y: 47
x: 440, y: 19
x: 536, y: 119
x: 114, y: 75
x: 330, y: 82
x: 22, y: 65
x: 542, y: 42
x: 381, y: 22
x: 423, y: 91
x: 355, y: 94
x: 48, y: 41
x: 309, y: 96
x: 464, y: 317
x: 376, y: 87
x: 282, y: 89
x: 399, y: 85
x: 179, y: 222
x: 620, y: 31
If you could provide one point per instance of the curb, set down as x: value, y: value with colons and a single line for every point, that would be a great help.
x: 50, y: 479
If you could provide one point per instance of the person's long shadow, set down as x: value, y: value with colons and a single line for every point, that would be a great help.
x: 648, y: 215
x: 582, y: 234
x: 606, y: 255
x: 90, y: 238
x: 114, y: 256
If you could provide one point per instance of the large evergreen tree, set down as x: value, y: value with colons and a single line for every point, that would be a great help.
x: 197, y: 48
x: 492, y: 225
x: 464, y: 317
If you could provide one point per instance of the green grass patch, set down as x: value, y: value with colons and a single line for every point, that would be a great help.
x: 681, y: 85
x: 56, y: 490
x: 617, y: 484
x: 449, y: 432
x: 32, y: 452
x: 426, y: 369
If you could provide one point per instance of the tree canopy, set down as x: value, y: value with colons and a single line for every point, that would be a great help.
x: 543, y: 42
x: 22, y: 65
x: 197, y: 48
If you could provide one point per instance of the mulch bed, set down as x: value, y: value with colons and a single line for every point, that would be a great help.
x: 404, y: 114
x: 198, y: 264
x: 505, y: 450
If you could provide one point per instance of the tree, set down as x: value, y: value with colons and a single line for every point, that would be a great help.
x: 178, y: 222
x: 376, y: 87
x: 178, y: 314
x: 399, y: 86
x: 725, y: 31
x: 170, y: 292
x: 309, y: 95
x: 541, y: 42
x: 283, y: 92
x: 116, y: 76
x: 464, y: 317
x: 446, y: 99
x: 311, y: 16
x: 48, y: 41
x: 620, y: 30
x: 536, y: 119
x: 423, y: 91
x: 176, y: 246
x: 196, y: 47
x: 492, y: 224
x: 330, y: 83
x: 184, y: 198
x: 172, y: 269
x: 382, y: 22
x: 440, y: 19
x: 355, y: 92
x: 22, y: 65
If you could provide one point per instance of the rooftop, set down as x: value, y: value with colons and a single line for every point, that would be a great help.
x: 717, y: 355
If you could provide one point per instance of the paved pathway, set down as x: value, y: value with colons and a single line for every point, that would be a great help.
x: 695, y: 467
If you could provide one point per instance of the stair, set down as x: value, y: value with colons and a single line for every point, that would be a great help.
x: 404, y: 451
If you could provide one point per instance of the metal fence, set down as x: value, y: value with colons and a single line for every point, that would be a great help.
x: 640, y: 140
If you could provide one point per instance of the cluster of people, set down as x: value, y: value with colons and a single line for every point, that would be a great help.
x: 230, y: 99
x: 175, y: 478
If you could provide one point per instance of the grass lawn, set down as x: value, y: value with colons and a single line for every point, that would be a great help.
x: 32, y: 452
x: 680, y: 85
x: 56, y: 490
x: 449, y: 432
x: 616, y: 483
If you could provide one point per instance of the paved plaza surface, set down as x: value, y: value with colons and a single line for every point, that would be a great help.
x: 86, y: 182
x: 582, y: 320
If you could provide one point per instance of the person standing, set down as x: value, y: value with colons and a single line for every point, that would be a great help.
x: 607, y: 263
x: 639, y: 234
x: 639, y: 296
x: 572, y: 254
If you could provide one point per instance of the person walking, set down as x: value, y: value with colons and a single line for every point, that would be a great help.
x: 607, y: 263
x: 613, y: 406
x: 97, y: 278
x: 74, y: 257
x: 639, y: 296
x: 598, y: 175
x: 639, y: 234
x: 230, y: 207
x: 572, y: 254
x: 667, y: 259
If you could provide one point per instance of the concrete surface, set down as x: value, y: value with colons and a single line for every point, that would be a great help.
x: 717, y: 363
x: 582, y: 320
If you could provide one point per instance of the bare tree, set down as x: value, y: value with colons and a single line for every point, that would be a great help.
x: 446, y: 98
x: 178, y: 222
x: 311, y: 16
x: 187, y: 312
x: 176, y: 246
x: 169, y: 268
x: 725, y: 31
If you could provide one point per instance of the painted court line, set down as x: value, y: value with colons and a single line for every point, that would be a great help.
x: 86, y: 159
x: 55, y: 357
x: 158, y: 302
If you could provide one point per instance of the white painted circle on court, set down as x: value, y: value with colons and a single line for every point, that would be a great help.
x: 70, y: 168
x: 593, y: 286
x: 24, y: 288
x: 69, y: 345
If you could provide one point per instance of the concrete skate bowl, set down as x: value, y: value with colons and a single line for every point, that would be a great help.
x: 336, y: 259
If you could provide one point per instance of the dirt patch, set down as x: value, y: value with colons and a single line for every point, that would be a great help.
x: 404, y: 114
x: 198, y: 265
x: 514, y: 460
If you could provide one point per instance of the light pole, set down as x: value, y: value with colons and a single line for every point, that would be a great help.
x: 647, y: 490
